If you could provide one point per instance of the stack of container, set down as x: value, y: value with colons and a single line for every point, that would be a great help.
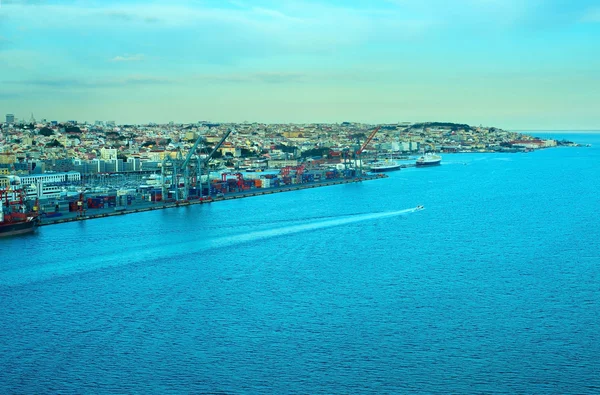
x: 95, y: 203
x: 331, y: 174
x: 156, y: 195
x: 219, y: 187
x: 308, y: 177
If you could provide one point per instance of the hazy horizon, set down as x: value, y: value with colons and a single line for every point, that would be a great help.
x: 516, y: 65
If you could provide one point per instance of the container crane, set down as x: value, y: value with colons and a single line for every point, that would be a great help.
x: 185, y: 166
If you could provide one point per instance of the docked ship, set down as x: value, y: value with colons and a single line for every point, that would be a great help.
x: 385, y: 165
x: 429, y: 160
x: 15, y: 217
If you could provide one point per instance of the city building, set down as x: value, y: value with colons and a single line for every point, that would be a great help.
x: 51, y: 178
x: 108, y: 153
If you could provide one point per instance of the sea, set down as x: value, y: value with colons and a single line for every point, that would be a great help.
x: 494, y: 287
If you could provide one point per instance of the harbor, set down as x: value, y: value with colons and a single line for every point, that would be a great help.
x: 251, y: 287
x: 57, y: 217
x: 312, y: 197
x: 212, y: 163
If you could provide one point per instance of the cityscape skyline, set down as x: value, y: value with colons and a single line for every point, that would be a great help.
x: 513, y: 65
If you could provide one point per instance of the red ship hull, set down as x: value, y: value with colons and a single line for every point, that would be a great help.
x: 17, y: 228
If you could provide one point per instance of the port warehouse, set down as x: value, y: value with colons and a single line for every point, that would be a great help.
x: 63, y: 195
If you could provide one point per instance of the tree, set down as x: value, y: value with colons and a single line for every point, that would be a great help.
x: 289, y: 149
x: 54, y: 144
x: 46, y: 131
x: 113, y: 135
x: 315, y: 152
x: 72, y: 129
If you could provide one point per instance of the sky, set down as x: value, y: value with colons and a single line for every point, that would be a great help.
x: 513, y: 64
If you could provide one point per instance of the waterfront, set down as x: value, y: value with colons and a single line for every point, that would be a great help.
x: 143, y: 206
x: 344, y: 289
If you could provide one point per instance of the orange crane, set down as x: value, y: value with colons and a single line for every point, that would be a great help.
x: 368, y: 140
x: 362, y: 148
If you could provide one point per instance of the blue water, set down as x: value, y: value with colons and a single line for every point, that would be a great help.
x: 494, y: 287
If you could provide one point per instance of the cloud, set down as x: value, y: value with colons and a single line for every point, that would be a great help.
x: 58, y: 83
x: 591, y: 16
x: 128, y: 58
x: 23, y: 2
x: 12, y: 60
x: 119, y: 15
x: 258, y: 77
x: 10, y: 96
x: 319, y: 78
x: 289, y: 26
x: 490, y: 14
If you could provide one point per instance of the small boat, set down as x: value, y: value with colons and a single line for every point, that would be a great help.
x: 419, y: 208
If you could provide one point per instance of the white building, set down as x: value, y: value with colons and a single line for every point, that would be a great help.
x: 51, y: 178
x: 108, y: 153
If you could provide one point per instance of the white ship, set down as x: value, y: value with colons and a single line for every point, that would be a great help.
x: 384, y: 165
x: 429, y: 160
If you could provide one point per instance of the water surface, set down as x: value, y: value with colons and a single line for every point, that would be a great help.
x: 494, y: 287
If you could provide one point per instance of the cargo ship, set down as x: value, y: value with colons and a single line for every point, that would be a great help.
x: 386, y: 165
x: 15, y: 217
x: 429, y: 160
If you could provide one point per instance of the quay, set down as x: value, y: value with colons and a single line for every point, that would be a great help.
x: 150, y: 206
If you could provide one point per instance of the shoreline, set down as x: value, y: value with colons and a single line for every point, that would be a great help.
x: 111, y: 212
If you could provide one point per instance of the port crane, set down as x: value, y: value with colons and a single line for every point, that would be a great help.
x: 204, y: 163
x: 190, y: 171
x: 365, y: 144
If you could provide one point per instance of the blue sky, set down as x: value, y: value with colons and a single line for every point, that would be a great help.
x: 528, y: 64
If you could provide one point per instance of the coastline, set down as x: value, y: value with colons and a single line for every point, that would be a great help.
x: 151, y: 206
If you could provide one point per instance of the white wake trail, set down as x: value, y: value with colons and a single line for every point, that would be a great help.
x: 266, y: 234
x: 121, y: 258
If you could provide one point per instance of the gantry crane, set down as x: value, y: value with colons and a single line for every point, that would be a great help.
x: 204, y: 163
x: 184, y: 173
x: 191, y: 171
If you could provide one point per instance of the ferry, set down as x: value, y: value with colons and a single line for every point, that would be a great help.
x: 385, y: 165
x: 429, y: 160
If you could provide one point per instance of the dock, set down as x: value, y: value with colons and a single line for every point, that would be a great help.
x: 151, y: 206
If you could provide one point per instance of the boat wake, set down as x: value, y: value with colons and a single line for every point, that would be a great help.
x: 288, y: 230
x: 117, y: 258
